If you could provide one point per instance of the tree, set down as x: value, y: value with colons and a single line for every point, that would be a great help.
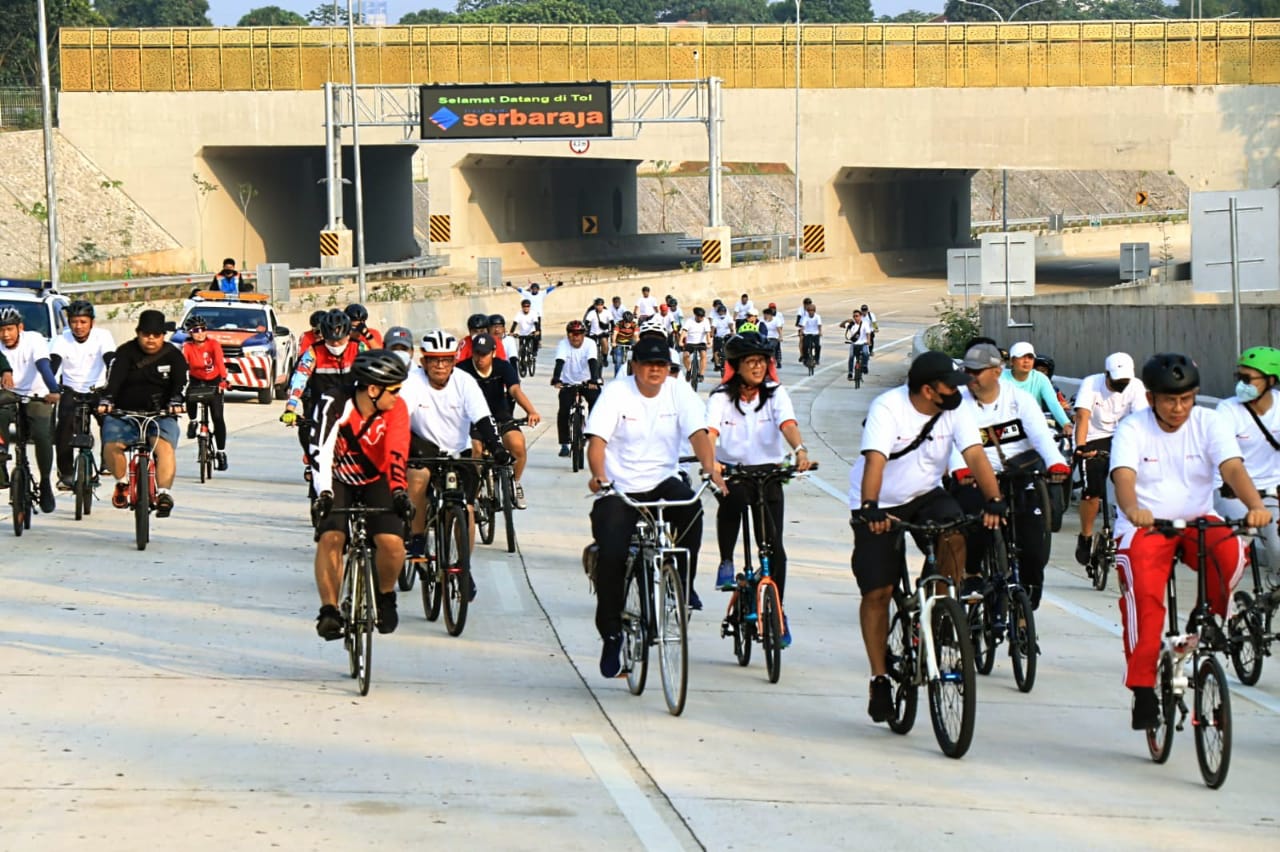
x: 533, y: 12
x: 427, y: 16
x: 718, y: 11
x: 19, y: 55
x: 824, y: 11
x: 329, y: 15
x: 155, y: 13
x: 911, y: 16
x: 271, y: 16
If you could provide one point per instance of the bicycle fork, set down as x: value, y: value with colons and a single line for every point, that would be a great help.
x: 1178, y: 648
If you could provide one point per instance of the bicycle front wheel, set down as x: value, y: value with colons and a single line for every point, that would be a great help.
x: 1023, y: 641
x: 82, y: 483
x: 576, y: 438
x: 673, y: 640
x: 635, y: 627
x: 982, y: 633
x: 19, y: 497
x: 142, y: 502
x: 508, y: 508
x: 1212, y: 722
x: 455, y: 556
x: 771, y: 630
x: 1246, y: 640
x: 1100, y: 561
x: 900, y: 660
x: 953, y: 695
x: 743, y: 633
x: 1160, y: 737
x: 205, y: 458
x: 365, y: 618
x: 485, y: 509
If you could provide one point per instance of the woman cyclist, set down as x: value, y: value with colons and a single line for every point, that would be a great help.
x: 753, y: 418
x: 207, y: 369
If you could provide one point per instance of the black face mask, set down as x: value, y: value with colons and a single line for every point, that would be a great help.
x: 949, y: 401
x: 1119, y: 386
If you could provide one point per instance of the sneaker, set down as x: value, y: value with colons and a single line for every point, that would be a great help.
x: 519, y: 496
x: 564, y: 451
x: 164, y: 504
x: 388, y: 618
x: 329, y: 623
x: 880, y: 702
x: 47, y: 501
x: 1084, y: 549
x: 120, y: 497
x: 418, y: 546
x: 725, y: 580
x: 64, y: 484
x: 849, y: 377
x: 1146, y: 710
x: 471, y: 593
x: 695, y: 602
x: 786, y: 633
x: 220, y: 460
x: 971, y: 589
x: 611, y: 656
x: 191, y: 430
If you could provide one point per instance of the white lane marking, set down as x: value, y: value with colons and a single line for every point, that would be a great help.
x: 843, y: 362
x: 630, y: 799
x: 509, y: 600
x: 827, y: 487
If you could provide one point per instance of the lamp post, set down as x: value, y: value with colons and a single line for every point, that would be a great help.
x: 355, y: 154
x: 46, y: 106
x: 995, y: 12
x: 797, y: 155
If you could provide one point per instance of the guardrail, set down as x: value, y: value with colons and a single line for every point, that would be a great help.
x: 1075, y: 220
x: 763, y: 245
x: 400, y: 268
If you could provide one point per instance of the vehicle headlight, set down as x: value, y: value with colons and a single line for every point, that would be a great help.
x: 261, y: 349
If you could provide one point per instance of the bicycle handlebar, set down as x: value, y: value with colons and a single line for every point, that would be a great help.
x: 765, y: 471
x: 1166, y: 525
x: 657, y: 504
x: 927, y: 527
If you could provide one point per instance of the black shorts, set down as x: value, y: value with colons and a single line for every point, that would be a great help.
x: 1093, y: 472
x: 695, y: 347
x: 508, y: 425
x: 376, y: 495
x: 878, y: 559
x: 468, y: 474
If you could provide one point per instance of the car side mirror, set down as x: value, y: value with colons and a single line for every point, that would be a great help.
x: 281, y: 331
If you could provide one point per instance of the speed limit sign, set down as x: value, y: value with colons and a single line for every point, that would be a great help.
x: 579, y: 146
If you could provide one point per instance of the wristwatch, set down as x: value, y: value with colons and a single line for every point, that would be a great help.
x: 799, y: 448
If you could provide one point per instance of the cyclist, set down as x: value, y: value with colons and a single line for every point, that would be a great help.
x: 875, y: 327
x: 625, y: 333
x: 323, y: 367
x: 84, y: 352
x: 909, y: 434
x: 1045, y: 364
x: 400, y: 341
x: 811, y: 331
x: 722, y: 324
x: 527, y: 324
x: 1015, y: 437
x: 1102, y: 401
x: 498, y: 331
x: 1163, y: 462
x: 677, y: 315
x: 33, y: 376
x: 771, y: 326
x: 857, y: 333
x: 800, y: 312
x: 367, y: 337
x: 578, y: 367
x: 477, y: 324
x: 146, y: 375
x: 1254, y: 416
x: 668, y: 324
x: 1022, y: 373
x: 599, y: 324
x: 646, y: 305
x: 756, y: 425
x: 362, y: 451
x: 312, y: 335
x: 206, y: 367
x: 694, y: 337
x: 616, y: 310
x: 742, y: 308
x: 635, y: 436
x: 535, y: 296
x: 500, y: 383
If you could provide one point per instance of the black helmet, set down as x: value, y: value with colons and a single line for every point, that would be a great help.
x: 740, y: 346
x: 497, y: 319
x: 379, y: 367
x: 357, y: 312
x: 80, y: 308
x: 1047, y: 363
x: 335, y: 325
x: 699, y: 312
x: 671, y: 301
x: 597, y: 302
x: 627, y: 316
x: 195, y: 322
x: 1170, y: 372
x: 477, y: 322
x: 314, y: 320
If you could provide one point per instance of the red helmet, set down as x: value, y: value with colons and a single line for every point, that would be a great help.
x: 662, y: 309
x: 575, y: 327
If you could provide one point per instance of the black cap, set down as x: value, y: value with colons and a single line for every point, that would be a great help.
x: 650, y: 349
x: 933, y: 366
x: 151, y: 322
x: 482, y: 344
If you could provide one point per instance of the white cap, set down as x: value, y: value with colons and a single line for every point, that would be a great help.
x: 1021, y: 348
x: 1119, y: 366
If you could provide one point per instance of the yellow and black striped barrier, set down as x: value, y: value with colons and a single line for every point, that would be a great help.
x: 815, y: 239
x: 328, y: 244
x: 710, y: 252
x: 440, y: 229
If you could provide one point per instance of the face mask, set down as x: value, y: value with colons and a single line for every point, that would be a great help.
x: 950, y: 401
x: 335, y: 350
x: 1119, y: 386
x: 1247, y: 391
x: 406, y: 357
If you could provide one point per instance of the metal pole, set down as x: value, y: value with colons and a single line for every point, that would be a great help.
x: 329, y: 176
x: 714, y: 151
x: 50, y: 190
x: 1235, y: 265
x: 355, y: 153
x: 1004, y: 200
x: 797, y: 110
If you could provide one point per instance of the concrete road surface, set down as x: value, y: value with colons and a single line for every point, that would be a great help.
x: 179, y: 697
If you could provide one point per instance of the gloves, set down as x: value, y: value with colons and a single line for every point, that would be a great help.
x: 402, y: 504
x: 995, y: 507
x: 289, y: 418
x: 872, y: 513
x: 320, y: 507
x: 501, y: 455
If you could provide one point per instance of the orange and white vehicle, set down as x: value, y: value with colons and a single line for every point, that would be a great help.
x: 258, y: 350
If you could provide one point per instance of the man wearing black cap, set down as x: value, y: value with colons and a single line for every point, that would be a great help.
x: 500, y: 383
x: 907, y: 441
x: 147, y: 375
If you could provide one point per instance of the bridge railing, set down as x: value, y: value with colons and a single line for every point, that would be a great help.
x: 1076, y: 220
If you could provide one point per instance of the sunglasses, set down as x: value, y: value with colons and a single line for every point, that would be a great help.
x: 1241, y: 377
x: 392, y: 389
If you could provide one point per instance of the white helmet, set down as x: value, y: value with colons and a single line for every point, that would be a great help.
x: 653, y: 326
x: 438, y: 342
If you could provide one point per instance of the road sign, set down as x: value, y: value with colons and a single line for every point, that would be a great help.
x: 590, y: 224
x: 579, y: 146
x: 1142, y: 198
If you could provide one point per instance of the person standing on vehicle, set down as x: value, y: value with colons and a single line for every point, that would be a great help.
x: 1103, y: 400
x: 207, y: 369
x: 83, y: 352
x: 1023, y: 374
x: 229, y: 280
x: 857, y: 333
x: 147, y: 375
x: 577, y: 371
x: 325, y: 366
x: 33, y: 376
x: 500, y: 383
x: 368, y: 338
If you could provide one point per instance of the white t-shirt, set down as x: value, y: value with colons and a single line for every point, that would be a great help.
x: 1106, y: 407
x: 811, y: 324
x: 616, y: 312
x: 1018, y: 423
x: 892, y: 424
x: 723, y: 324
x: 576, y: 369
x: 772, y: 327
x: 598, y: 322
x: 646, y: 306
x: 535, y: 300
x: 750, y: 436
x: 859, y: 332
x: 82, y: 368
x: 643, y: 435
x: 444, y: 416
x: 741, y: 309
x: 525, y: 324
x: 1260, y: 458
x: 31, y: 348
x: 1176, y: 470
x: 698, y: 331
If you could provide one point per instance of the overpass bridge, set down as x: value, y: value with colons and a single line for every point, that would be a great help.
x: 893, y: 120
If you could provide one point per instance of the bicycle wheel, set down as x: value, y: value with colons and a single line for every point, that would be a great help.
x: 350, y: 581
x: 900, y: 658
x: 455, y: 556
x: 1245, y: 638
x: 19, y: 494
x: 142, y: 502
x: 673, y: 641
x: 742, y: 630
x: 575, y: 437
x: 953, y: 694
x: 408, y: 574
x: 509, y: 508
x: 1022, y: 639
x: 1160, y: 737
x: 365, y: 618
x: 635, y: 627
x: 857, y: 376
x: 982, y: 633
x: 1041, y: 502
x: 1100, y: 560
x: 82, y: 484
x: 432, y: 588
x: 771, y: 630
x: 1060, y: 497
x: 485, y: 509
x: 1212, y: 721
x: 206, y: 457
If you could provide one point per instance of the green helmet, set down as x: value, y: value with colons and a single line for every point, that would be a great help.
x: 1264, y: 359
x: 748, y: 327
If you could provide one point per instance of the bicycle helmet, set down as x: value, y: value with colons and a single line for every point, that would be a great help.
x: 477, y: 322
x: 699, y: 312
x: 335, y: 325
x: 379, y: 367
x: 598, y: 301
x: 575, y: 327
x: 357, y: 312
x: 80, y: 308
x: 497, y: 319
x: 1264, y: 359
x: 745, y: 343
x: 627, y: 316
x: 438, y: 342
x: 748, y: 328
x: 195, y: 322
x: 9, y: 316
x: 1170, y: 372
x: 1047, y: 363
x: 314, y: 320
x: 653, y: 326
x: 664, y: 309
x: 525, y: 303
x: 670, y: 301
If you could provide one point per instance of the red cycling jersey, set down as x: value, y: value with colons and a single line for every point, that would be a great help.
x: 464, y: 350
x: 204, y: 360
x: 359, y: 450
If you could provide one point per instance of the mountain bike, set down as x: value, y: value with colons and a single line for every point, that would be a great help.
x: 1102, y: 551
x: 200, y: 395
x: 527, y: 358
x: 695, y: 367
x: 445, y: 566
x: 577, y: 427
x: 857, y: 363
x: 1251, y: 629
x: 497, y: 495
x: 24, y: 500
x: 142, y: 473
x: 84, y: 470
x: 357, y: 597
x: 810, y: 358
x: 1004, y: 613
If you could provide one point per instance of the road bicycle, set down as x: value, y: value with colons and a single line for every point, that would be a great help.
x: 577, y: 429
x: 84, y: 471
x: 142, y: 473
x: 357, y: 597
x: 527, y: 358
x: 695, y: 368
x: 497, y: 496
x: 201, y: 395
x: 810, y: 358
x: 717, y: 353
x: 1251, y: 629
x: 929, y: 646
x: 1102, y: 549
x: 1198, y: 648
x: 24, y: 500
x: 1004, y: 612
x: 858, y: 361
x: 655, y: 595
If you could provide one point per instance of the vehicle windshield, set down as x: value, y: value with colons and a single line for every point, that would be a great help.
x: 35, y: 315
x: 224, y: 319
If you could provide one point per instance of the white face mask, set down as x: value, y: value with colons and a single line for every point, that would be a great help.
x: 1247, y: 391
x: 335, y: 350
x: 406, y: 357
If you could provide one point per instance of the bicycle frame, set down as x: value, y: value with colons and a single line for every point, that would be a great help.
x: 925, y: 601
x: 141, y: 448
x: 653, y: 531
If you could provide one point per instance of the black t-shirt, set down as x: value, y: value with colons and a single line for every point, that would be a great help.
x: 141, y: 382
x: 495, y: 386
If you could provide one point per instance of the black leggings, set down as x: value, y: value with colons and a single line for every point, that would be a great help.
x: 567, y: 396
x: 215, y: 411
x: 1029, y: 526
x: 741, y: 499
x: 66, y: 430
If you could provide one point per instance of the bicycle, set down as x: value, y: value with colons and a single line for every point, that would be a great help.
x: 1251, y: 629
x: 717, y: 354
x: 810, y: 357
x: 621, y: 355
x: 1004, y: 612
x: 1211, y: 715
x: 357, y: 597
x: 1060, y: 493
x: 695, y: 368
x: 858, y: 358
x: 528, y: 356
x: 929, y: 645
x: 654, y: 608
x: 84, y: 471
x: 577, y: 427
x: 1102, y: 550
x: 142, y: 473
x: 755, y: 607
x: 200, y: 395
x: 24, y: 500
x: 497, y: 493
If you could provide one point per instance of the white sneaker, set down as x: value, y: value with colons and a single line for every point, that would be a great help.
x: 519, y: 495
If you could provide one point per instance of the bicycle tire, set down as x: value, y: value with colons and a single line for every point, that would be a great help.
x: 575, y: 437
x: 953, y: 695
x: 857, y: 378
x: 19, y: 496
x: 771, y: 630
x: 1160, y: 737
x: 1099, y: 561
x: 432, y: 588
x: 982, y: 634
x: 365, y: 618
x: 673, y: 638
x: 742, y: 632
x: 485, y: 510
x: 1060, y: 499
x: 82, y: 485
x: 1245, y: 636
x: 635, y: 628
x: 509, y: 508
x: 408, y: 574
x: 455, y: 557
x: 1044, y: 502
x: 1022, y: 640
x: 348, y: 610
x: 901, y: 664
x: 142, y: 502
x: 1212, y: 721
x: 206, y: 457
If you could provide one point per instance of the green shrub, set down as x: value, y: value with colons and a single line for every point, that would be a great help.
x: 956, y: 327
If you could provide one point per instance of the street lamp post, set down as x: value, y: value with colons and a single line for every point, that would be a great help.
x: 46, y: 105
x: 355, y: 154
x: 797, y: 155
x: 996, y: 12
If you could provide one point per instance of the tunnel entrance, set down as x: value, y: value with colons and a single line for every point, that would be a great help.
x: 904, y: 209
